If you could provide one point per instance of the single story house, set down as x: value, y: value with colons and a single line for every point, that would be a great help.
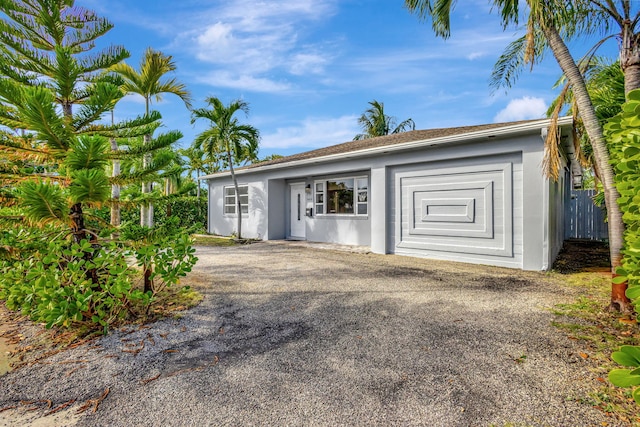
x: 473, y: 194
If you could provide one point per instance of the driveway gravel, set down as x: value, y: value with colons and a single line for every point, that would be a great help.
x: 290, y: 335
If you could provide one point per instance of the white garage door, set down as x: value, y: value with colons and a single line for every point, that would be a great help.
x: 460, y: 212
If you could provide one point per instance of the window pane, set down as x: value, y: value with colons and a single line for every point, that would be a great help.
x: 229, y: 209
x: 244, y: 200
x: 362, y: 208
x: 229, y: 191
x: 363, y: 184
x: 243, y: 189
x: 244, y: 209
x: 340, y: 196
x: 319, y: 186
x: 319, y: 209
x: 319, y: 198
x: 230, y: 200
x: 362, y: 196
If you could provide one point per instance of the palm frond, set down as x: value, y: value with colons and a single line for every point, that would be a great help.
x: 404, y: 126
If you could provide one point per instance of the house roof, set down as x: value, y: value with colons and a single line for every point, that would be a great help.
x: 399, y: 141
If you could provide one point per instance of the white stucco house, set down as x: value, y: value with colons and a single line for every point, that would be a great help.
x: 474, y: 194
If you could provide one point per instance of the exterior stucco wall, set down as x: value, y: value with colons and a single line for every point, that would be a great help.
x: 253, y: 223
x: 491, y: 186
x: 535, y: 228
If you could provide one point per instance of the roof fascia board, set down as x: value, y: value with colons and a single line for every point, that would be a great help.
x: 465, y: 137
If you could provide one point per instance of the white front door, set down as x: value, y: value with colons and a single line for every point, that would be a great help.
x: 297, y: 209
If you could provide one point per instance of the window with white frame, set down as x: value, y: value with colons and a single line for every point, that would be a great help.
x: 230, y: 199
x: 342, y: 196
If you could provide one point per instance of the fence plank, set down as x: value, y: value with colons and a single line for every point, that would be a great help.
x: 583, y: 219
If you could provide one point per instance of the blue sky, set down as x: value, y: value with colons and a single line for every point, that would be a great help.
x: 308, y: 68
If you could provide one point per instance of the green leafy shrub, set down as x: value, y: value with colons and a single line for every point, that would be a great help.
x: 166, y: 251
x: 54, y: 286
x: 190, y: 211
x: 57, y: 285
x: 623, y: 134
x: 629, y: 355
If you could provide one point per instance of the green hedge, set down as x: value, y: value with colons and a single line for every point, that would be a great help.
x: 190, y: 211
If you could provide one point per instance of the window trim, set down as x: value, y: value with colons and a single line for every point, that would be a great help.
x: 356, y: 190
x: 225, y: 205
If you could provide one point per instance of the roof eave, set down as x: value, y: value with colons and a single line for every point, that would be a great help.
x: 486, y: 133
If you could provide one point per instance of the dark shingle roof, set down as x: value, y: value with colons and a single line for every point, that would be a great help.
x: 388, y: 140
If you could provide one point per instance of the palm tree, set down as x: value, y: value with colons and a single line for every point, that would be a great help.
x: 196, y: 163
x: 227, y: 136
x: 171, y: 175
x: 605, y: 83
x: 375, y: 122
x: 548, y: 21
x: 148, y: 82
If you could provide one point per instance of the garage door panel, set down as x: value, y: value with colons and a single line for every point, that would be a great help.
x: 456, y: 209
x: 464, y: 210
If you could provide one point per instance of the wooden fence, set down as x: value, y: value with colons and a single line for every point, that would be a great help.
x: 583, y: 219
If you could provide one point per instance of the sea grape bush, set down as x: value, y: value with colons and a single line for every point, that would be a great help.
x: 623, y: 137
x: 623, y: 133
x: 629, y: 355
x: 58, y: 286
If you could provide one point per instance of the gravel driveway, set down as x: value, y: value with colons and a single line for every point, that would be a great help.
x: 289, y: 335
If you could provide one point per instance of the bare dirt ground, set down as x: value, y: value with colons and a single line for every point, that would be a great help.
x: 300, y: 336
x: 582, y: 255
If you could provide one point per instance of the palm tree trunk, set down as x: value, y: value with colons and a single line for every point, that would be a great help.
x: 619, y: 301
x: 630, y: 57
x: 198, y: 184
x: 146, y: 210
x: 115, y: 192
x: 238, y: 204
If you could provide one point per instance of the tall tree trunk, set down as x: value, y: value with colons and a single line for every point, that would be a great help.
x: 167, y: 191
x: 630, y: 57
x: 198, y: 182
x: 79, y: 233
x: 115, y: 192
x: 146, y: 210
x: 619, y: 301
x: 78, y: 230
x: 238, y: 204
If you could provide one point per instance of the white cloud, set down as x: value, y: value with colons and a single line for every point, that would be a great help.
x: 251, y: 39
x: 313, y: 133
x: 303, y: 63
x: 523, y: 108
x: 475, y: 55
x: 243, y: 81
